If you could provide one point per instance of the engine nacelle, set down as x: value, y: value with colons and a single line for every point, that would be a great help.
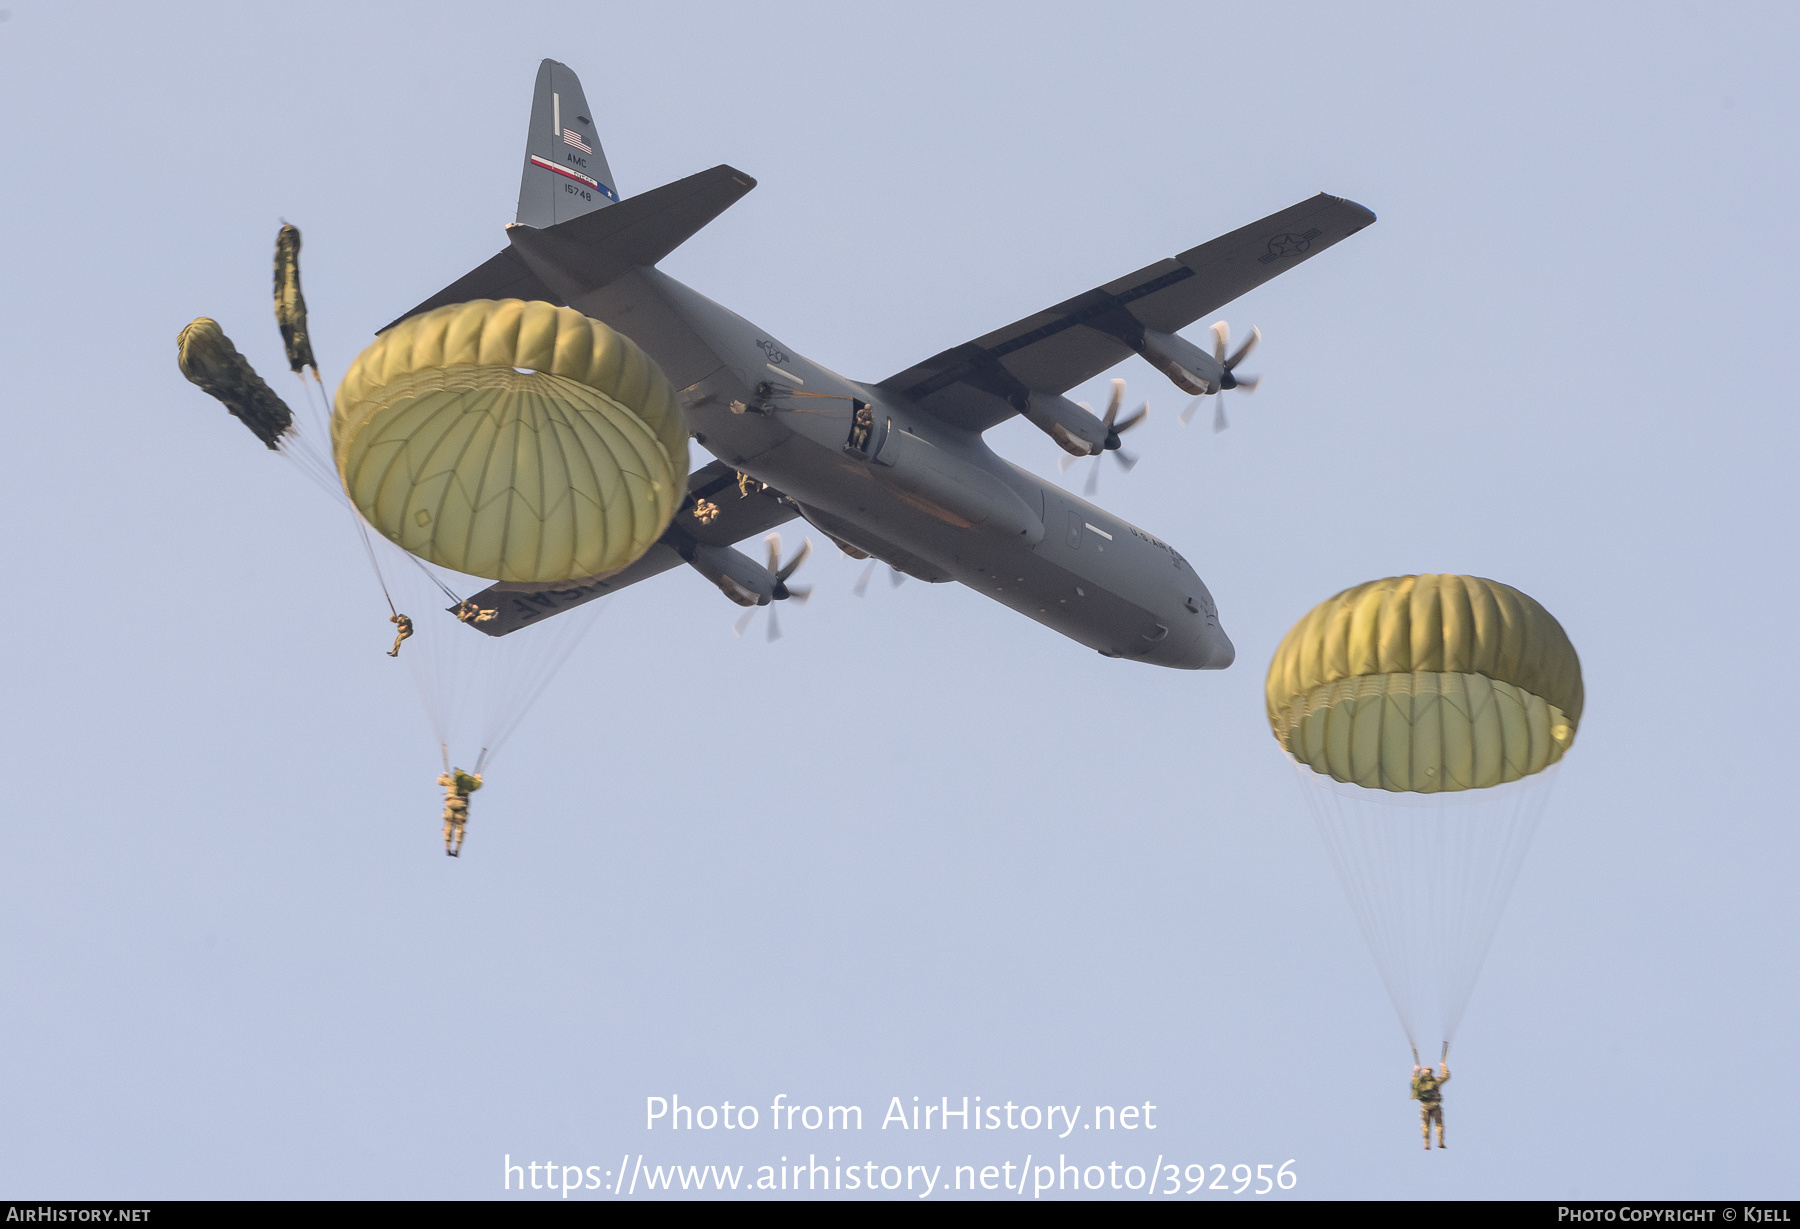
x: 1192, y: 369
x: 1075, y: 430
x: 738, y: 576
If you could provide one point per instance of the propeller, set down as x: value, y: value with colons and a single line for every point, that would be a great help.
x: 1221, y: 346
x: 782, y: 571
x: 783, y: 590
x: 896, y: 578
x: 1115, y: 427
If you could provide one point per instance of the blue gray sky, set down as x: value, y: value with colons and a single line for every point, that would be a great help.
x: 919, y: 847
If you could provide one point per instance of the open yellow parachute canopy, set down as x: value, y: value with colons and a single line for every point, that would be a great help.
x: 517, y: 441
x: 1426, y: 684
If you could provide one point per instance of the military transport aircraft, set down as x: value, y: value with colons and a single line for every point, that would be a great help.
x: 896, y: 470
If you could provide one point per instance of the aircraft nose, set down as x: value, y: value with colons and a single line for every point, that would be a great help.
x: 1220, y: 652
x: 1208, y: 649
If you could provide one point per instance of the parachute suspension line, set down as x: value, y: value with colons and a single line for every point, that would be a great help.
x: 298, y: 445
x: 323, y: 405
x: 1427, y: 877
x: 362, y: 532
x: 1512, y: 836
x: 1364, y: 863
x: 550, y: 669
x: 428, y: 574
x: 1353, y: 861
x: 310, y: 459
x: 476, y: 690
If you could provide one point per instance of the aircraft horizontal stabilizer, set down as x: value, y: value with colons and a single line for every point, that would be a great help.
x: 558, y: 263
x: 586, y: 253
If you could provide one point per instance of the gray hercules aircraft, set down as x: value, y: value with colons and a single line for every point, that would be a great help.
x: 896, y: 470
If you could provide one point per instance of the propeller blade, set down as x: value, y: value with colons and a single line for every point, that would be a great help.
x: 774, y: 626
x: 796, y: 561
x: 1249, y: 345
x: 862, y: 582
x: 800, y: 593
x: 1187, y: 415
x: 1137, y: 416
x: 1112, y: 406
x: 1249, y: 384
x: 1221, y: 339
x: 1125, y: 459
x: 896, y: 577
x: 1064, y: 461
x: 1219, y: 423
x: 1093, y: 482
x: 737, y: 629
x: 773, y: 542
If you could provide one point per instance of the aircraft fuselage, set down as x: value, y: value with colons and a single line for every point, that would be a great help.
x: 934, y: 502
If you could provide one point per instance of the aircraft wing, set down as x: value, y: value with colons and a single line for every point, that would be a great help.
x: 976, y: 385
x: 739, y: 517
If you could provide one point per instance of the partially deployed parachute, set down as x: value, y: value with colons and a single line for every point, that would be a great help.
x: 511, y: 440
x: 1423, y: 712
x: 290, y: 304
x: 208, y: 358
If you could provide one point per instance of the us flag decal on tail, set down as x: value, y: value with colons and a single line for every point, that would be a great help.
x: 571, y: 137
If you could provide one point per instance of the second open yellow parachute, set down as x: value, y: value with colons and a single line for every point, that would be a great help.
x: 1426, y: 684
x: 517, y: 441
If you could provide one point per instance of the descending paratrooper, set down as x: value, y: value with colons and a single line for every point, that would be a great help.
x: 405, y: 629
x: 1422, y: 714
x: 458, y: 785
x: 1428, y: 1091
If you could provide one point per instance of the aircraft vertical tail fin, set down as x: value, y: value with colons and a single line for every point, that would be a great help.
x: 565, y: 169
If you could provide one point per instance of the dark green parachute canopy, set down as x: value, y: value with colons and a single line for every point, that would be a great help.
x: 290, y: 304
x: 210, y: 360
